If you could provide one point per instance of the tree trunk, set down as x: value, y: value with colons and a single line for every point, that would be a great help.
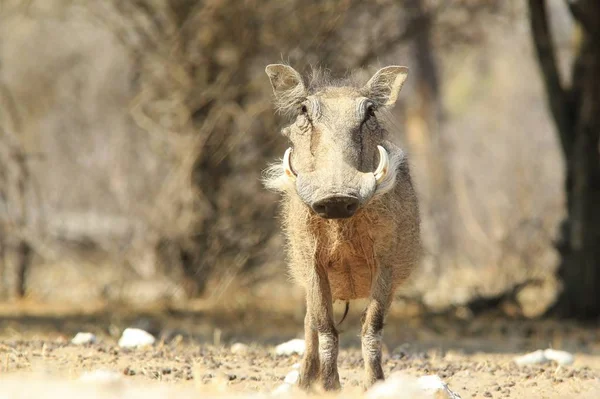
x: 580, y: 247
x: 424, y: 114
x: 576, y: 111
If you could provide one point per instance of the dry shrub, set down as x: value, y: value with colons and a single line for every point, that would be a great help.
x: 134, y: 134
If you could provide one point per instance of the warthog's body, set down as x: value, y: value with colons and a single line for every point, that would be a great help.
x: 349, y: 210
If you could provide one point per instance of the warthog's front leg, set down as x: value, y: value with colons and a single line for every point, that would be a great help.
x: 310, y: 363
x: 321, y: 334
x: 372, y: 325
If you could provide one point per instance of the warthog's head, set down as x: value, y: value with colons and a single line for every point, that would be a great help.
x: 338, y: 158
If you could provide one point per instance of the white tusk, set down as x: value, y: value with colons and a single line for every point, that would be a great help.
x: 287, y: 167
x: 384, y: 165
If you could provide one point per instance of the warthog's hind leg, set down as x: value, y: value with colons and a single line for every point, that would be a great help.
x: 372, y: 326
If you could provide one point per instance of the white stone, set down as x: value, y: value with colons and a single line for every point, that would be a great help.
x: 292, y: 377
x: 403, y: 386
x: 289, y: 383
x: 239, y: 349
x: 82, y: 338
x: 282, y: 389
x: 434, y: 385
x: 397, y: 386
x: 561, y: 357
x: 536, y: 357
x: 542, y: 356
x: 290, y: 347
x: 101, y: 376
x: 135, y: 337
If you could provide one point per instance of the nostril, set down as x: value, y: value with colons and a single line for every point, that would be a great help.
x: 352, y: 207
x: 320, y: 208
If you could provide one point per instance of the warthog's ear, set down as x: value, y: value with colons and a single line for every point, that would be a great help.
x: 383, y: 88
x: 288, y: 86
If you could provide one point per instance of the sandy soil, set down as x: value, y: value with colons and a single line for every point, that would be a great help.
x: 473, y: 356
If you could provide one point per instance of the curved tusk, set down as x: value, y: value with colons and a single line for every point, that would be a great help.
x: 384, y: 165
x: 287, y: 167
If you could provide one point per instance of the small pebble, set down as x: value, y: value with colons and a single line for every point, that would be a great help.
x: 82, y: 338
x: 294, y: 346
x: 433, y: 384
x: 401, y: 385
x: 561, y: 357
x: 134, y: 338
x: 282, y: 389
x: 536, y: 357
x: 542, y: 356
x: 292, y: 377
x: 101, y: 376
x: 239, y: 349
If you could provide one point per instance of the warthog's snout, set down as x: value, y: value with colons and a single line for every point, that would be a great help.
x: 336, y: 189
x: 336, y: 207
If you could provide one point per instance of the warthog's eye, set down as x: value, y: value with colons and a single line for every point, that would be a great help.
x: 303, y: 120
x: 370, y: 111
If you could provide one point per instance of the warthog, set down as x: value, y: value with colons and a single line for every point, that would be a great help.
x: 348, y: 209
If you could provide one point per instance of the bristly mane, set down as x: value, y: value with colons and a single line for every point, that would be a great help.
x: 320, y: 78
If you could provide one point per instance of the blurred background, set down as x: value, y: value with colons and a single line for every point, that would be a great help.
x: 133, y: 135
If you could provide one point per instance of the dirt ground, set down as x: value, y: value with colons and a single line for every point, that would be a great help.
x: 193, y: 353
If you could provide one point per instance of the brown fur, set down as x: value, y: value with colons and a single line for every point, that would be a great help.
x: 367, y: 255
